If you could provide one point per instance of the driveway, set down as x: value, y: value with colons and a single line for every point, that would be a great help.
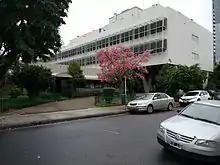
x: 120, y: 140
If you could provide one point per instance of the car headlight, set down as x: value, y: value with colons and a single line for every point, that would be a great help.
x: 162, y: 129
x: 207, y: 143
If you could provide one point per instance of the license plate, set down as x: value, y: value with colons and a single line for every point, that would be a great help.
x: 176, y: 145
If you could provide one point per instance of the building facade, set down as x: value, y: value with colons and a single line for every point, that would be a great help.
x: 171, y: 37
x: 216, y: 30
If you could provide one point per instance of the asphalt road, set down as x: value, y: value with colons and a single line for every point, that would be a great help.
x: 120, y: 140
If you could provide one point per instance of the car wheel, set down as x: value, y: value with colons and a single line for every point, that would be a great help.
x: 170, y: 107
x: 150, y: 109
x: 198, y: 99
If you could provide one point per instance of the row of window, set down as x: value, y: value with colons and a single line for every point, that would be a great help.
x: 143, y: 31
x: 155, y: 47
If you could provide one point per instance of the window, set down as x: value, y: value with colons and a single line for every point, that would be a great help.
x: 111, y: 41
x: 163, y: 96
x: 159, y: 46
x: 114, y: 40
x: 83, y: 61
x: 93, y: 60
x: 156, y: 96
x: 126, y: 36
x: 141, y: 34
x: 90, y: 60
x: 205, y: 113
x: 135, y: 49
x: 94, y: 46
x: 123, y: 37
x: 153, y: 28
x: 136, y: 33
x: 195, y: 37
x: 106, y: 42
x: 103, y: 43
x: 153, y: 47
x: 159, y: 26
x: 195, y: 56
x: 141, y: 48
x: 99, y: 45
x: 164, y: 45
x: 147, y: 30
x: 165, y: 24
x: 146, y: 46
x: 131, y: 34
x: 118, y: 39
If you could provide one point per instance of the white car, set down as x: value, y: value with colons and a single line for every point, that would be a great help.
x: 194, y: 132
x: 193, y: 96
x: 150, y: 102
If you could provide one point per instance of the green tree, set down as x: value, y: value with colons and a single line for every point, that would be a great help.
x: 29, y: 30
x: 172, y: 78
x: 214, y: 78
x: 33, y: 78
x: 78, y: 79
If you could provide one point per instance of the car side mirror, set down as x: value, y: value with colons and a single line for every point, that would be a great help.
x: 179, y: 110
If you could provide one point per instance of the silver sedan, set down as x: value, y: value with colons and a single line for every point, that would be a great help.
x: 150, y: 102
x: 194, y: 132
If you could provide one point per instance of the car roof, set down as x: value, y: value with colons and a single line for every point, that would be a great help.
x: 215, y: 103
x: 196, y: 91
x: 156, y: 93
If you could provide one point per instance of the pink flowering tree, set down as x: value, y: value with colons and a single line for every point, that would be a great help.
x: 119, y: 63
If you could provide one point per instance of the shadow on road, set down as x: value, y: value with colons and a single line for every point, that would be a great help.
x: 169, y: 157
x: 155, y: 112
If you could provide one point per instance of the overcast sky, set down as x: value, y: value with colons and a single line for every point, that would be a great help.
x: 87, y: 15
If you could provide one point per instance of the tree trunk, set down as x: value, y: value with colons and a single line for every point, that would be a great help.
x: 5, y: 64
x: 73, y: 88
x: 122, y: 92
x: 147, y: 84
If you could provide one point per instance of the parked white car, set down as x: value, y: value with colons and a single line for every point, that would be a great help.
x: 150, y: 102
x: 194, y: 132
x: 193, y: 96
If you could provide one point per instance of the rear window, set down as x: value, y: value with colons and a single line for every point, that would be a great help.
x: 191, y: 93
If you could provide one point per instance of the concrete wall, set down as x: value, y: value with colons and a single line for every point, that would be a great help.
x: 181, y: 45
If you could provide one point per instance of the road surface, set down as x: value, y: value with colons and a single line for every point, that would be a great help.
x: 119, y: 140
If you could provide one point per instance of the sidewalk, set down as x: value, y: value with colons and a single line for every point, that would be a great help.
x: 72, y: 104
x: 18, y: 121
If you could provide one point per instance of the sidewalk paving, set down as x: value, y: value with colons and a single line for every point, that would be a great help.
x: 72, y: 104
x: 18, y: 121
x: 33, y: 117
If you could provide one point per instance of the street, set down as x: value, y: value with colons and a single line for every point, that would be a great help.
x: 118, y: 140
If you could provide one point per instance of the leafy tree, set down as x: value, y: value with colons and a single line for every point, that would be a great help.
x: 214, y: 78
x: 29, y: 30
x: 118, y: 63
x: 33, y: 78
x: 78, y: 79
x: 172, y: 78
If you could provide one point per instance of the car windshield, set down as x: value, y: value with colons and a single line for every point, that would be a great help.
x: 191, y: 93
x: 146, y: 97
x: 206, y: 113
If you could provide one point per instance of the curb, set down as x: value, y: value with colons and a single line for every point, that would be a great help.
x: 44, y: 122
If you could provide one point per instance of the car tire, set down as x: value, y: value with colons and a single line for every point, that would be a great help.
x: 150, y: 109
x: 198, y: 99
x: 170, y: 107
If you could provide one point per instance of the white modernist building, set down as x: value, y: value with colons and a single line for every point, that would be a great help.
x: 172, y: 38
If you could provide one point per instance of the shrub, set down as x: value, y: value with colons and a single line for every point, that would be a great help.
x: 24, y: 101
x: 15, y: 92
x: 108, y: 94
